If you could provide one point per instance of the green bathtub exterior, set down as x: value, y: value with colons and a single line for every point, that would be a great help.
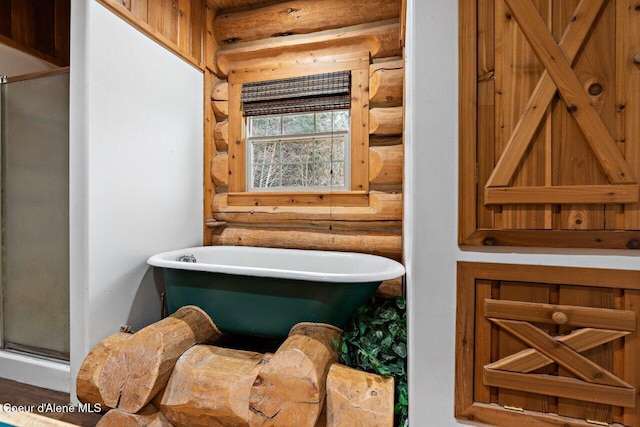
x: 264, y: 306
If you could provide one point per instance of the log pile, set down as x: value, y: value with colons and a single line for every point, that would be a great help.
x: 171, y: 373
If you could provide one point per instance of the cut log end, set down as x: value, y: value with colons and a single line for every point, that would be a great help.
x: 386, y: 121
x: 221, y: 135
x: 290, y: 388
x: 147, y: 417
x: 134, y: 374
x: 220, y: 91
x: 358, y: 398
x: 89, y: 374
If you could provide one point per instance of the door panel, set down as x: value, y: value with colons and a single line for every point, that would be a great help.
x: 35, y: 215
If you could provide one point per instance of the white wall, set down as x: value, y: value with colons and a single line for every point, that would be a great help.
x: 14, y: 62
x: 431, y: 213
x: 136, y: 171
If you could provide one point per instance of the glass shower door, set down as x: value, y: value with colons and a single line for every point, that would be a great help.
x: 35, y: 214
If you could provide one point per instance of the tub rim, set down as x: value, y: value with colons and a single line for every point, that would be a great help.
x: 392, y: 269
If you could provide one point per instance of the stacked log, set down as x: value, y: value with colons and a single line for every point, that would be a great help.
x: 290, y: 389
x: 386, y: 83
x: 134, y: 373
x: 300, y: 17
x: 91, y: 369
x: 210, y: 386
x: 300, y: 385
x: 386, y: 121
x: 356, y: 398
x: 147, y: 417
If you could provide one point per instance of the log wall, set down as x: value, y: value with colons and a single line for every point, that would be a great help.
x: 288, y: 31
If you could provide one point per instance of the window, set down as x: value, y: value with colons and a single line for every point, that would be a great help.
x: 298, y: 132
x: 299, y: 151
x: 298, y: 138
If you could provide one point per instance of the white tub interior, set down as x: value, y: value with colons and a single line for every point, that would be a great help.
x: 325, y: 266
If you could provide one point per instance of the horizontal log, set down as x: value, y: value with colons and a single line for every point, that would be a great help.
x: 357, y: 398
x: 140, y: 368
x: 300, y: 17
x: 386, y: 121
x: 147, y: 417
x: 220, y: 109
x: 386, y: 188
x: 384, y: 210
x: 386, y: 164
x: 391, y: 289
x: 299, y: 198
x: 380, y: 140
x: 221, y: 135
x: 321, y: 49
x: 386, y: 84
x: 290, y: 388
x: 91, y: 368
x: 210, y: 386
x: 220, y: 91
x: 220, y: 170
x: 387, y: 244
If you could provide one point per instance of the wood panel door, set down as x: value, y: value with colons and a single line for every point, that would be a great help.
x: 550, y: 123
x: 547, y: 345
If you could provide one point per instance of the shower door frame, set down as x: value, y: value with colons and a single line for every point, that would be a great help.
x: 8, y: 80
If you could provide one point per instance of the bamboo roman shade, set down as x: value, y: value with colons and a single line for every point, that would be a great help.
x: 329, y: 91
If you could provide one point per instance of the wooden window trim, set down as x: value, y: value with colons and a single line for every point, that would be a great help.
x: 470, y: 187
x: 301, y: 198
x: 358, y: 64
x: 474, y: 289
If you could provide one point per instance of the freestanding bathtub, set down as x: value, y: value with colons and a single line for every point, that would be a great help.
x: 265, y: 291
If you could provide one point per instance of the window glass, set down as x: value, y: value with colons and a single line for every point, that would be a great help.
x: 266, y: 126
x: 299, y: 151
x: 298, y: 123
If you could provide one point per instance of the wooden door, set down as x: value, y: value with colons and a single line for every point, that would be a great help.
x: 547, y: 345
x: 550, y: 123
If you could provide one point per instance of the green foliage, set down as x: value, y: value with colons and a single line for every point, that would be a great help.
x: 375, y: 340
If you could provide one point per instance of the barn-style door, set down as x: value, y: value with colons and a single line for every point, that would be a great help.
x: 543, y: 346
x: 559, y: 77
x: 550, y: 123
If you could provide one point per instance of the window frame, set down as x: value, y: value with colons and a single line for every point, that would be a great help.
x: 297, y: 138
x: 357, y: 194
